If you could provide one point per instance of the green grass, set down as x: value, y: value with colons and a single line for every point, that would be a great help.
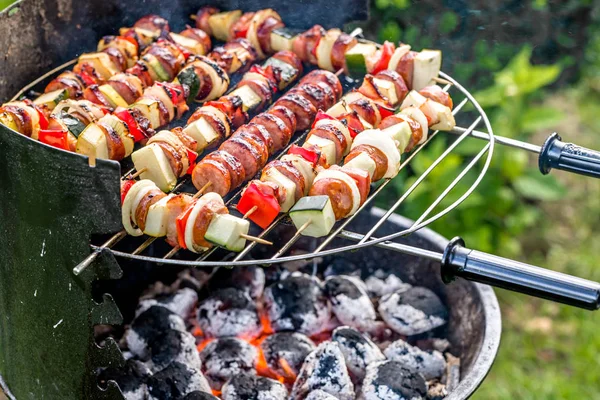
x: 551, y: 351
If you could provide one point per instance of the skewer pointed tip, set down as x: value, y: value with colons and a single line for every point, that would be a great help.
x: 250, y: 212
x: 202, y: 190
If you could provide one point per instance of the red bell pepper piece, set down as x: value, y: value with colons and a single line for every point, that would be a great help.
x: 241, y: 33
x: 385, y: 111
x: 125, y: 187
x: 192, y: 156
x: 56, y: 138
x: 362, y: 179
x: 87, y: 80
x: 321, y: 115
x: 387, y: 51
x: 124, y: 115
x: 263, y: 197
x: 132, y: 41
x: 174, y: 90
x: 181, y: 221
x: 309, y: 155
x: 353, y: 123
x: 267, y: 73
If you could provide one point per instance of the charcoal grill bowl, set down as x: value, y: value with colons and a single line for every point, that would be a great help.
x: 475, y: 322
x: 46, y: 314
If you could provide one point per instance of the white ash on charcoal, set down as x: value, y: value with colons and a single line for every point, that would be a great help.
x: 379, y: 286
x: 359, y: 351
x: 250, y: 279
x: 150, y: 325
x: 320, y: 395
x: 431, y: 364
x: 350, y: 302
x: 436, y: 391
x: 414, y: 311
x: 390, y: 380
x: 290, y: 348
x: 324, y: 369
x: 182, y: 302
x: 227, y: 357
x: 229, y: 312
x: 200, y: 396
x: 252, y: 387
x: 297, y: 303
x: 131, y: 379
x: 176, y: 381
x: 173, y: 346
x: 429, y: 344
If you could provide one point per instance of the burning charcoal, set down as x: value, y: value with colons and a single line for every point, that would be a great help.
x: 414, y: 311
x: 359, y: 351
x: 378, y: 287
x: 319, y: 395
x: 176, y: 381
x: 250, y: 280
x: 181, y: 302
x: 131, y: 379
x: 350, y: 302
x: 324, y: 369
x: 229, y: 312
x: 252, y: 387
x: 340, y: 266
x: 227, y: 357
x: 173, y: 346
x: 285, y: 352
x: 299, y: 304
x: 200, y: 396
x: 430, y: 364
x: 389, y: 380
x: 150, y: 325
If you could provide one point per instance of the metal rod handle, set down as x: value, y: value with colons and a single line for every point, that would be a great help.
x: 568, y: 157
x: 512, y: 275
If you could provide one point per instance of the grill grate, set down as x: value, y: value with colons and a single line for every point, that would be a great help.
x: 323, y: 247
x: 339, y: 231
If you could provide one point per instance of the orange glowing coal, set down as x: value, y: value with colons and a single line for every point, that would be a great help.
x: 204, y: 343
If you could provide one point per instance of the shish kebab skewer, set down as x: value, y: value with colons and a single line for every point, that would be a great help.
x: 205, y: 185
x: 197, y: 225
x: 335, y: 38
x: 204, y: 79
x: 338, y: 192
x: 107, y: 77
x: 332, y: 138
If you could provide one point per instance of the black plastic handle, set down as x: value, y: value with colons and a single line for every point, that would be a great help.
x: 568, y: 157
x: 508, y: 274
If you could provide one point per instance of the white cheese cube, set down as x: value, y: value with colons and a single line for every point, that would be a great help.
x: 326, y: 146
x: 157, y: 167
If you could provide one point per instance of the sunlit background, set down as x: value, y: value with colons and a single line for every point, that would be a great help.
x: 535, y: 67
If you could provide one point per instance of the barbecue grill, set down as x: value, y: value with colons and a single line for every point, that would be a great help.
x: 49, y: 268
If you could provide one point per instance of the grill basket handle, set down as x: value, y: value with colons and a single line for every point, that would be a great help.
x: 512, y: 275
x: 568, y: 157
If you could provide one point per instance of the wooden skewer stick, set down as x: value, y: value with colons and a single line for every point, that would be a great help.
x: 256, y: 239
x: 173, y: 251
x: 136, y: 174
x: 303, y: 227
x: 202, y: 190
x: 250, y: 212
x: 193, y: 16
x: 441, y: 81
